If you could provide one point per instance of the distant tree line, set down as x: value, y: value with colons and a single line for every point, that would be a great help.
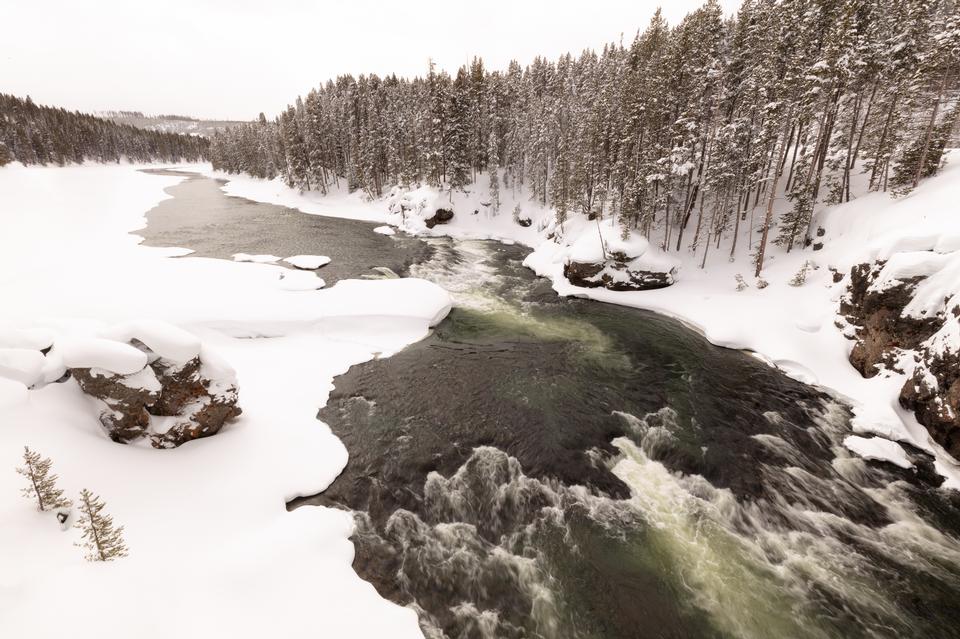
x: 34, y: 134
x: 683, y: 134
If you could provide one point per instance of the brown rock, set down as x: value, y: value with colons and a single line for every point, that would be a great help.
x: 198, y: 405
x: 883, y: 332
x: 127, y: 418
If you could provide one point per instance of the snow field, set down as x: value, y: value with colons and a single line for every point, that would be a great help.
x: 213, y: 550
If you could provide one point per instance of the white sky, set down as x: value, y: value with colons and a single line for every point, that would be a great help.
x: 235, y: 58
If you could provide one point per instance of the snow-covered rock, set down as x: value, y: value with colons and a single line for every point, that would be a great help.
x: 905, y: 313
x: 384, y: 230
x: 307, y: 262
x: 170, y: 401
x: 607, y: 259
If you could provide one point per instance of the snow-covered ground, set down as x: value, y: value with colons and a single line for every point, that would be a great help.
x: 213, y: 551
x: 791, y: 327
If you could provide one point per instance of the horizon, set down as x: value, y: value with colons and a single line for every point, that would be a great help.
x: 63, y: 70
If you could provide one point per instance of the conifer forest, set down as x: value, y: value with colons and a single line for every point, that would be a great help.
x: 681, y: 133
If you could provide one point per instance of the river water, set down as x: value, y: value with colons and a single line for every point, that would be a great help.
x: 547, y: 467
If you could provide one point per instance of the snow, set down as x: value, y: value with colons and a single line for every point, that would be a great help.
x: 878, y: 449
x: 294, y: 281
x: 586, y: 247
x: 98, y: 352
x: 384, y: 230
x: 166, y: 340
x: 12, y: 392
x: 791, y: 327
x: 32, y: 338
x: 260, y: 259
x: 22, y: 364
x: 213, y: 508
x: 308, y: 262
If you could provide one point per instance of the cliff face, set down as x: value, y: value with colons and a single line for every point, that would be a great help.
x: 890, y: 335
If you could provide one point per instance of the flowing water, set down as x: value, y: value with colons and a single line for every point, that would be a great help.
x: 546, y: 467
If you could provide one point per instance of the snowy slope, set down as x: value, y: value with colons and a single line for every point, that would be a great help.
x: 213, y: 551
x: 791, y: 327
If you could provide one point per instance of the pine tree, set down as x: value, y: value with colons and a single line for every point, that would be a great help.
x: 43, y: 485
x: 102, y: 541
x: 493, y: 168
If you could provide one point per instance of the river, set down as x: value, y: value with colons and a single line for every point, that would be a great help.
x: 547, y: 467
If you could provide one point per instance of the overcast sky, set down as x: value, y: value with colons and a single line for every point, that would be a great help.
x: 235, y: 58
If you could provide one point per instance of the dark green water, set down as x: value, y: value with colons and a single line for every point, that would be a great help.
x: 545, y: 467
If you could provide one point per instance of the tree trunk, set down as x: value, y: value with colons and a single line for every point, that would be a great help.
x: 863, y: 127
x: 768, y: 217
x: 883, y: 138
x: 930, y: 126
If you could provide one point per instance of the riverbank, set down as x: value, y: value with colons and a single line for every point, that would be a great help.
x: 791, y: 327
x: 213, y: 549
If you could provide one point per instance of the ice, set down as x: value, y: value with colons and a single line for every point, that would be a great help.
x: 878, y: 449
x: 260, y: 259
x: 308, y: 262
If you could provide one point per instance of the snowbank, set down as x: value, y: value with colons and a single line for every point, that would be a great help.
x: 214, y: 507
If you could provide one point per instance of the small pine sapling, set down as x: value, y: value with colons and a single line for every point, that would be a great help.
x: 43, y: 484
x: 801, y: 277
x: 101, y: 540
x: 762, y: 283
x: 741, y: 283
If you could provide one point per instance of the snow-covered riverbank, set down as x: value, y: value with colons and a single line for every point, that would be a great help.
x: 791, y: 327
x: 213, y: 550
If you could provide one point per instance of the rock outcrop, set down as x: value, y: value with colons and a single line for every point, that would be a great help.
x: 924, y: 348
x: 616, y: 274
x: 168, y: 402
x: 882, y: 330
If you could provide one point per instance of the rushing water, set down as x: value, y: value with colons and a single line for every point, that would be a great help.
x: 545, y: 467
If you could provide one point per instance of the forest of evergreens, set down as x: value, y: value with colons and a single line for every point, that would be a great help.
x: 34, y: 134
x: 682, y: 133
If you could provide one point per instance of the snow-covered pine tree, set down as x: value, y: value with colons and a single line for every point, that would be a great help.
x: 42, y: 485
x: 101, y: 540
x: 6, y: 157
x: 457, y: 138
x: 493, y: 169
